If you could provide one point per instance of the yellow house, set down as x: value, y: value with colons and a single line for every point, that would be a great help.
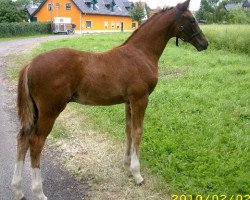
x: 88, y: 15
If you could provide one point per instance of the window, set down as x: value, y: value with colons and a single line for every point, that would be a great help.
x: 68, y: 6
x: 118, y: 24
x: 50, y: 7
x: 106, y: 24
x: 133, y: 25
x: 107, y: 6
x: 113, y: 24
x: 88, y: 24
x: 33, y: 19
x: 88, y: 4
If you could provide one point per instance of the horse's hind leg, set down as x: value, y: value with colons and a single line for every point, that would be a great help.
x: 37, y: 141
x: 22, y: 148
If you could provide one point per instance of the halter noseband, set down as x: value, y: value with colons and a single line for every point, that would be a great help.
x: 182, y: 30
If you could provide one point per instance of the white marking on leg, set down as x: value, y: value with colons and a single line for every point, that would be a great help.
x: 16, y: 183
x: 135, y: 167
x: 37, y: 186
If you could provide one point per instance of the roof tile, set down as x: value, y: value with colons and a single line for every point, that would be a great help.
x: 120, y: 8
x: 101, y: 9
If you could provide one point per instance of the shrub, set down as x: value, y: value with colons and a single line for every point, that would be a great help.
x: 11, y: 12
x: 24, y: 28
x: 239, y: 16
x: 233, y: 38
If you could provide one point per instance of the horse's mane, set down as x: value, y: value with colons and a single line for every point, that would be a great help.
x: 149, y: 20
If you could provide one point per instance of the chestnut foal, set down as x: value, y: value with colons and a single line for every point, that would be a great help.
x: 126, y: 74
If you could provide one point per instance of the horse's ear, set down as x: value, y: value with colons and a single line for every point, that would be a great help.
x: 183, y: 6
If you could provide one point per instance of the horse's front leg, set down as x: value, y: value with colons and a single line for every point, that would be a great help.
x: 127, y: 156
x: 138, y: 107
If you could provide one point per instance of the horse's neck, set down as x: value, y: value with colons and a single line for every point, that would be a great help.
x: 153, y: 36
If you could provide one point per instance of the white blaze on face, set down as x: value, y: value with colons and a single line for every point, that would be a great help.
x: 37, y: 186
x: 17, y: 180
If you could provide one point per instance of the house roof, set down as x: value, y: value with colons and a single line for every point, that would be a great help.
x: 246, y: 4
x: 232, y: 6
x: 127, y: 4
x: 107, y: 1
x: 31, y: 10
x: 120, y: 8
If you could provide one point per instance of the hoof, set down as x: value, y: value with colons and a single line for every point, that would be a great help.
x: 141, y: 183
x: 23, y: 198
x: 42, y: 198
x: 139, y: 180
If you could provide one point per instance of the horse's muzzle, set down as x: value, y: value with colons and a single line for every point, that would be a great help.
x: 203, y: 45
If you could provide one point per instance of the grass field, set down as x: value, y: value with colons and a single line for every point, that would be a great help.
x: 19, y: 37
x: 196, y: 132
x: 233, y: 38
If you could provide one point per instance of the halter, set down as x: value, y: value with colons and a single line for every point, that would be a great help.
x: 182, y: 30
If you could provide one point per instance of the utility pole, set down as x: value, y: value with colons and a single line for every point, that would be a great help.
x: 51, y: 15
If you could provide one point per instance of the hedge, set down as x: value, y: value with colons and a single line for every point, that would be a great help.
x: 24, y: 28
x: 233, y: 38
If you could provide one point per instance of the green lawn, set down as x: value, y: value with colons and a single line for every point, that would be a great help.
x: 20, y: 37
x: 196, y: 131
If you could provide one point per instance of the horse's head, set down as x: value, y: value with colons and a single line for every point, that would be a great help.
x: 187, y: 28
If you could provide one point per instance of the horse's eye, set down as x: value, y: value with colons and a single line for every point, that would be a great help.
x: 192, y: 20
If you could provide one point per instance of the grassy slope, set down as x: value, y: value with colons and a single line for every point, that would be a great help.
x: 20, y: 37
x: 196, y: 132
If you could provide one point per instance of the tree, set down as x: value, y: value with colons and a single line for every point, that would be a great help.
x: 206, y: 11
x: 239, y: 16
x: 23, y: 4
x: 137, y: 12
x: 9, y: 12
x: 37, y: 2
x: 213, y: 11
x: 15, y: 11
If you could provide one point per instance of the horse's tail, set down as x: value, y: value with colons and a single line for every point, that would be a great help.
x: 25, y: 104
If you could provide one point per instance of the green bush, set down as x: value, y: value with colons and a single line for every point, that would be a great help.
x: 24, y: 28
x: 233, y: 38
x: 239, y: 16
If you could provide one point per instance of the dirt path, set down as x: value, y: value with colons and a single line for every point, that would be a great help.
x: 58, y: 184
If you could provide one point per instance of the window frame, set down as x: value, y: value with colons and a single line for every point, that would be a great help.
x: 106, y: 24
x: 50, y: 6
x: 133, y: 25
x: 57, y: 6
x: 91, y: 25
x: 113, y: 24
x: 66, y: 6
x: 118, y: 25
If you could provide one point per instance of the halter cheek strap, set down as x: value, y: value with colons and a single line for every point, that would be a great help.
x: 182, y: 30
x: 181, y: 27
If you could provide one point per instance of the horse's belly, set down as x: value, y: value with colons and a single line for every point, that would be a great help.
x: 99, y: 99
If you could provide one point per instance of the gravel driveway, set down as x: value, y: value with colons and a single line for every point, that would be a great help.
x: 58, y: 184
